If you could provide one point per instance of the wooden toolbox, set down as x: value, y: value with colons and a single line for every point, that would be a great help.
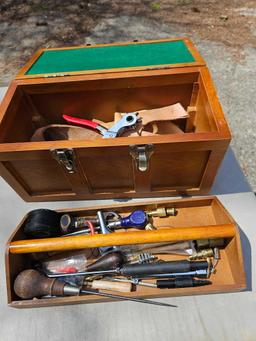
x: 197, y: 218
x: 94, y: 82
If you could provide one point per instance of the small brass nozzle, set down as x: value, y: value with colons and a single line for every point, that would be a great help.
x: 163, y: 212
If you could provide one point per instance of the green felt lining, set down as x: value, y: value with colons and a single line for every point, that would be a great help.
x: 111, y: 57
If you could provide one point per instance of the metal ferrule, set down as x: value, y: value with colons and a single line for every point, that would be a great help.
x: 114, y: 224
x: 70, y: 290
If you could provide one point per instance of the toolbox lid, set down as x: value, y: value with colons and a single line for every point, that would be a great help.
x: 129, y: 56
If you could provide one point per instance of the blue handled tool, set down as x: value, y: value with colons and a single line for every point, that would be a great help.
x: 137, y: 219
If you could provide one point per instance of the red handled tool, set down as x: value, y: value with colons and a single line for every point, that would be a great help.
x: 83, y: 122
x: 127, y: 121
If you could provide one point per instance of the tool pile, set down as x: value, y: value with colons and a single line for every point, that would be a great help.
x: 111, y: 268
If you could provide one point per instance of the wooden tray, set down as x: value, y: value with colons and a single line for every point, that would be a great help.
x: 202, y: 212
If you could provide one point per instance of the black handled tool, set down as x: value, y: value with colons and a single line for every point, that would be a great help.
x: 178, y: 282
x: 160, y: 269
x: 135, y: 270
x: 181, y: 283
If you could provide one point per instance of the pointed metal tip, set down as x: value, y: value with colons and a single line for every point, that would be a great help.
x: 164, y: 304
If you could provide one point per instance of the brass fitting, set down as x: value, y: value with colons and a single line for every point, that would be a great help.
x: 209, y: 243
x: 163, y: 212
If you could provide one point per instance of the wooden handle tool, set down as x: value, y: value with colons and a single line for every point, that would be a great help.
x: 121, y: 238
x: 109, y: 285
x: 30, y: 283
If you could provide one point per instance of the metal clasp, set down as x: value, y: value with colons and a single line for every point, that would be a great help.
x: 141, y: 155
x: 66, y: 158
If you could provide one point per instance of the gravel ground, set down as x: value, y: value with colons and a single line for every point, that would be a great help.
x: 224, y: 32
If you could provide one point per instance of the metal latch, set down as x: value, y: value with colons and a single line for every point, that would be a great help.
x: 66, y: 158
x: 141, y: 155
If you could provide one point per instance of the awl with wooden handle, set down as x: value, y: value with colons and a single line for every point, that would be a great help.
x: 30, y: 283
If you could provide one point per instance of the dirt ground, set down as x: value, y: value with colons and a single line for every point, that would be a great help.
x: 26, y: 25
x: 224, y: 31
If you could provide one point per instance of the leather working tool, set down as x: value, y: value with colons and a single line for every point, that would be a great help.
x: 110, y: 260
x: 137, y: 219
x: 30, y: 283
x: 159, y: 269
x: 127, y: 121
x: 203, y: 273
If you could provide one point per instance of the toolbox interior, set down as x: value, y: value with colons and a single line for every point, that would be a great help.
x: 36, y: 104
x: 200, y: 212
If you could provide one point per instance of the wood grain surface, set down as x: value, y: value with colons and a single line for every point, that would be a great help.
x: 194, y: 213
x: 180, y: 164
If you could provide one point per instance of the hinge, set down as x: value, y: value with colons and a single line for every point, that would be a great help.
x: 66, y: 158
x: 158, y: 68
x: 141, y: 154
x: 54, y: 75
